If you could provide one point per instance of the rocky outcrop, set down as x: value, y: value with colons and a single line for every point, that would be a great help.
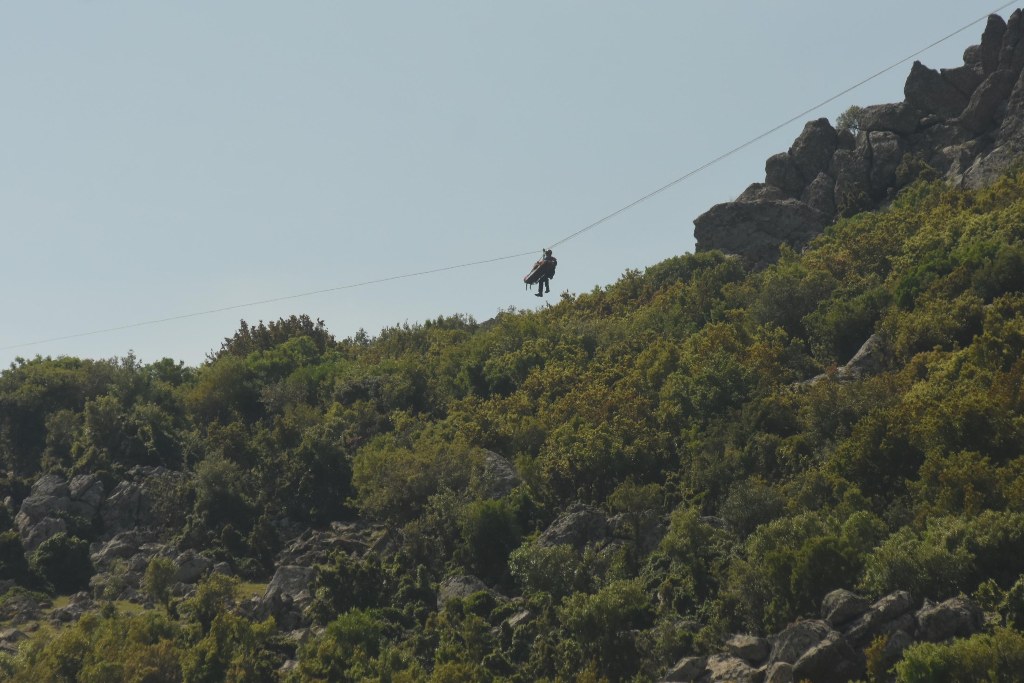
x: 831, y: 649
x: 965, y: 124
x: 579, y: 526
x: 135, y: 502
x: 54, y: 501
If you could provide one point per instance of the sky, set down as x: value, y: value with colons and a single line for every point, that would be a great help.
x: 162, y: 159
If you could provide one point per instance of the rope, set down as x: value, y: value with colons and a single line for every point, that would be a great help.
x: 572, y: 236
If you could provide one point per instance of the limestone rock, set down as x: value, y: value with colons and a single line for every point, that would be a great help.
x: 779, y: 672
x: 901, y: 118
x: 498, y: 477
x: 963, y: 78
x: 813, y: 149
x: 750, y: 648
x: 86, y: 493
x: 956, y: 617
x: 841, y: 606
x: 830, y: 661
x: 1010, y: 52
x: 579, y: 526
x: 791, y: 643
x: 888, y: 609
x: 756, y: 230
x: 820, y: 195
x: 991, y: 43
x: 758, y: 191
x: 781, y: 172
x: 686, y: 670
x: 886, y: 154
x: 726, y: 669
x: 192, y: 567
x: 460, y: 587
x: 984, y: 106
x: 929, y: 92
x: 291, y: 580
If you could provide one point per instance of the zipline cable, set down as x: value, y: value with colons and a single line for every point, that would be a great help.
x: 782, y: 125
x: 574, y: 235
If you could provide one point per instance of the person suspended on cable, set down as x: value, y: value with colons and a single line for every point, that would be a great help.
x: 542, y: 271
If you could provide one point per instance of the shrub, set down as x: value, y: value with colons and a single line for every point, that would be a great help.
x: 63, y: 561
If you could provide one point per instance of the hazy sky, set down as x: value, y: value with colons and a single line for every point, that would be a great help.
x: 161, y: 158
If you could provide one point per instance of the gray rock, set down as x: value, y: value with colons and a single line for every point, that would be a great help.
x: 756, y: 230
x: 956, y: 617
x: 841, y: 607
x: 579, y: 526
x: 985, y: 104
x: 80, y: 604
x: 686, y: 670
x: 519, y: 619
x: 895, y: 644
x: 758, y: 191
x: 963, y: 78
x: 134, y: 502
x: 22, y: 607
x: 51, y: 485
x: 751, y: 648
x: 460, y: 587
x: 33, y: 535
x: 851, y: 168
x: 726, y: 669
x: 886, y: 154
x: 86, y: 492
x: 901, y: 118
x: 291, y: 580
x: 1010, y: 51
x: 820, y: 195
x: 888, y: 609
x: 192, y: 567
x: 498, y: 478
x: 929, y: 92
x: 991, y: 43
x: 813, y: 149
x: 870, y: 359
x: 779, y: 672
x: 782, y: 173
x: 796, y: 639
x: 38, y: 505
x: 830, y: 661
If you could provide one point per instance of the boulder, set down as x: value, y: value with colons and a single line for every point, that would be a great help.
x: 895, y: 644
x: 498, y: 477
x: 756, y: 230
x: 830, y: 661
x: 812, y: 151
x: 460, y: 587
x: 963, y: 78
x: 852, y: 168
x: 779, y: 672
x: 796, y: 639
x: 134, y: 502
x: 984, y: 108
x: 192, y: 567
x: 579, y: 526
x: 883, y: 612
x: 686, y: 670
x: 33, y: 535
x: 901, y: 118
x: 927, y: 91
x: 780, y: 172
x: 86, y: 492
x: 51, y: 485
x: 750, y: 648
x: 758, y: 191
x: 956, y: 617
x: 820, y: 195
x: 886, y: 154
x: 726, y: 669
x: 841, y: 606
x: 80, y: 604
x: 870, y: 359
x: 38, y: 506
x: 291, y: 580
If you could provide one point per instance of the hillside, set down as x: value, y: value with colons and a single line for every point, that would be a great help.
x: 823, y: 447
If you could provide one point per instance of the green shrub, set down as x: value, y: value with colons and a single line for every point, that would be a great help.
x: 63, y: 561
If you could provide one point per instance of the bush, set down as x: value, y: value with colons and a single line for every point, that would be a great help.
x: 63, y: 561
x: 998, y: 656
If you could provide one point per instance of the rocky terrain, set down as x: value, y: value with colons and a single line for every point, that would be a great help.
x: 965, y: 124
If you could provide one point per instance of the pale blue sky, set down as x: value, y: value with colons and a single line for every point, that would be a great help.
x: 165, y: 158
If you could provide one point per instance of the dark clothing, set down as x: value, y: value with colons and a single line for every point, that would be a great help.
x: 543, y: 284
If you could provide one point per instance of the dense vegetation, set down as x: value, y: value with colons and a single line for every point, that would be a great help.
x: 675, y: 399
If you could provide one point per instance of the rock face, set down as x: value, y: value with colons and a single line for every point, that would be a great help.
x: 965, y: 124
x: 832, y: 650
x: 52, y: 502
